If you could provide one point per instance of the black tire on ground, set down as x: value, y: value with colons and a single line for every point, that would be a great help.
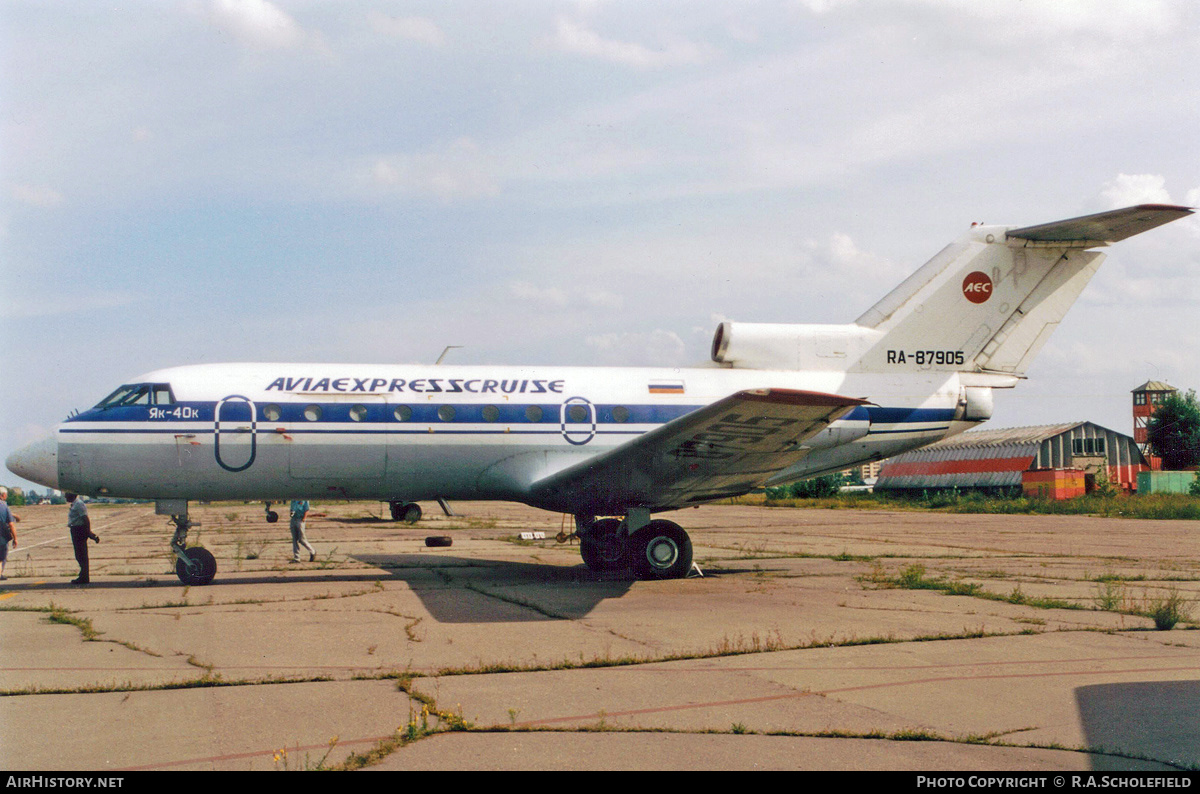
x: 408, y: 512
x: 438, y: 540
x: 660, y: 550
x: 202, y: 569
x: 272, y: 516
x: 603, y: 546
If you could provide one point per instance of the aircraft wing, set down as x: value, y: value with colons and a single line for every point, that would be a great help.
x: 1103, y: 227
x: 724, y: 449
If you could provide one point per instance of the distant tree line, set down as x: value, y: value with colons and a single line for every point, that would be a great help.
x: 816, y: 487
x: 1173, y: 431
x: 18, y: 497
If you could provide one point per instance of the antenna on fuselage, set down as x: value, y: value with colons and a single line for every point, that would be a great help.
x: 444, y: 352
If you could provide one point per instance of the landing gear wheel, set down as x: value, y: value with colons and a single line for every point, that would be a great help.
x: 660, y: 550
x: 408, y: 512
x: 202, y: 569
x: 272, y: 516
x: 603, y: 547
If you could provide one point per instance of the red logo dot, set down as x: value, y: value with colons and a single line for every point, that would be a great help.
x: 977, y: 287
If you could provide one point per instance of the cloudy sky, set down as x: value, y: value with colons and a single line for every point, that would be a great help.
x: 570, y: 182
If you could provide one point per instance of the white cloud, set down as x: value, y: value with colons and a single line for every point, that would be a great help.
x: 419, y: 29
x: 36, y: 195
x: 557, y: 298
x: 26, y: 304
x: 652, y: 348
x: 256, y: 23
x: 454, y: 171
x: 603, y: 299
x: 546, y: 296
x: 1129, y: 189
x: 573, y: 38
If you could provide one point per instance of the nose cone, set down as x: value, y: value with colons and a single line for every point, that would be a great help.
x: 37, y: 462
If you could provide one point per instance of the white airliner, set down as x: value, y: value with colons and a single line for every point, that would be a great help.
x: 611, y: 446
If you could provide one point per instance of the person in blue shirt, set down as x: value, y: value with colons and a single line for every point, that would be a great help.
x: 7, y: 531
x: 299, y: 509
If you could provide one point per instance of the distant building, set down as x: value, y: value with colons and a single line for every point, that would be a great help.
x: 1146, y: 399
x: 1011, y: 459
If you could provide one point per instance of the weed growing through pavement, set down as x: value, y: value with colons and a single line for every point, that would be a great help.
x: 1167, y: 611
x: 1110, y: 596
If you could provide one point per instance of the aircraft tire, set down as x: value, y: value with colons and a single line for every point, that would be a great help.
x: 272, y: 516
x: 408, y: 512
x: 434, y: 541
x: 603, y: 548
x: 203, y: 569
x: 660, y: 550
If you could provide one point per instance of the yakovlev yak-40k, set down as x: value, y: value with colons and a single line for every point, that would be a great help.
x: 611, y: 446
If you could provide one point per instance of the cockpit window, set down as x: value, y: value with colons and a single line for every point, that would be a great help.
x: 139, y: 394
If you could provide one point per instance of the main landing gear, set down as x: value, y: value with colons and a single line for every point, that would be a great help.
x: 194, y: 566
x: 408, y: 512
x: 657, y: 549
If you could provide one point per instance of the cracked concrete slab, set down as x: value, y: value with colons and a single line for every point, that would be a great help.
x: 797, y: 628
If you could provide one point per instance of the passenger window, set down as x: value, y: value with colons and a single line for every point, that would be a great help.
x: 577, y: 413
x: 533, y: 413
x: 621, y: 413
x: 490, y: 413
x: 312, y: 413
x: 358, y: 412
x: 446, y: 413
x: 272, y: 412
x: 402, y: 413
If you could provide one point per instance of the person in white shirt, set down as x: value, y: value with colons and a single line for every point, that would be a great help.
x: 81, y: 532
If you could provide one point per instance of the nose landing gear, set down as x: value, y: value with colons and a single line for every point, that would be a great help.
x: 194, y: 566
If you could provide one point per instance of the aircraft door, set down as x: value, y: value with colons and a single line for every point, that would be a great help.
x: 342, y: 443
x: 577, y: 420
x: 235, y: 442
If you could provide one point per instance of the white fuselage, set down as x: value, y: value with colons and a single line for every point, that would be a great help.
x: 281, y: 431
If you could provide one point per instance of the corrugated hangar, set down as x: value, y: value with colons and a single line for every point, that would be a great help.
x: 1057, y: 460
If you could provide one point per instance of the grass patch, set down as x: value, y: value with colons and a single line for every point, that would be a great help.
x: 1183, y: 507
x: 1168, y: 611
x: 913, y: 577
x: 62, y: 616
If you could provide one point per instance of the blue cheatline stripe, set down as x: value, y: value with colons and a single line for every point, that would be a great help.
x: 198, y: 417
x: 890, y: 416
x: 381, y: 413
x: 910, y: 430
x: 424, y: 431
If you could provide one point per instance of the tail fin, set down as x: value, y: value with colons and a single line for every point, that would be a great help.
x: 989, y: 301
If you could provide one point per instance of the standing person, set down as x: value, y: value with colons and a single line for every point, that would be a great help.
x: 7, y: 530
x: 81, y: 531
x: 299, y: 509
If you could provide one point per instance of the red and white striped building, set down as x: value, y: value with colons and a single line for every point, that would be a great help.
x: 998, y: 459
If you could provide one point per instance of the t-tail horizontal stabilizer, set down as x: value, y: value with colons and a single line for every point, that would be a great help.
x: 989, y: 301
x: 1103, y: 227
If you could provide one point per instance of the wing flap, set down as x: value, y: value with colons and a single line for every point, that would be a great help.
x: 726, y: 448
x: 1103, y: 227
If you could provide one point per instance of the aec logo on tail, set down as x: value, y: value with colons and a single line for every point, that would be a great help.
x: 977, y: 287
